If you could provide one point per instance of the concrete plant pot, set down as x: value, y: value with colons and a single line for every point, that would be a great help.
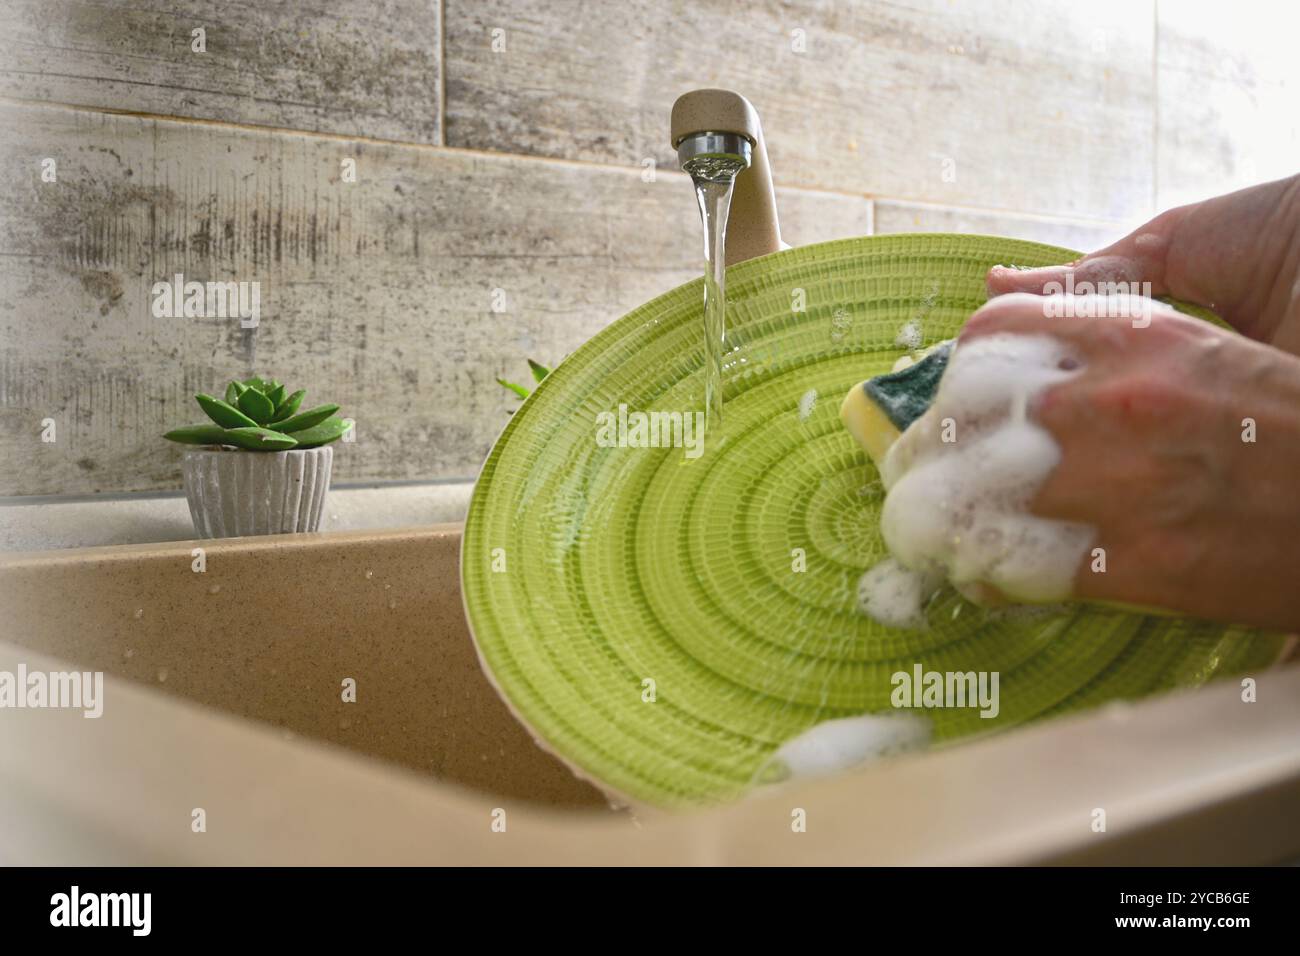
x: 234, y: 493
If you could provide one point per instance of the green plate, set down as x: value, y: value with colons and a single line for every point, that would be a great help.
x: 641, y: 611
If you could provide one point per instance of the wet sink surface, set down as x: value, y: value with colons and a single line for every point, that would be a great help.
x: 271, y: 628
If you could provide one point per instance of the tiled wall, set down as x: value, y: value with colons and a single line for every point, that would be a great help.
x: 501, y: 207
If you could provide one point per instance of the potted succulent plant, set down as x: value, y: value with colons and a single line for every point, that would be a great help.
x: 264, y: 466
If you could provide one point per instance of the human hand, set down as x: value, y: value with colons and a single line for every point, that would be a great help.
x: 1238, y: 255
x: 1180, y: 445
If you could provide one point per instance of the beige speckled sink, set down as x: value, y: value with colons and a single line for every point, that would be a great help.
x: 273, y: 625
x: 224, y: 691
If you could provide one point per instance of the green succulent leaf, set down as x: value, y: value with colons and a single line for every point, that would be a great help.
x: 259, y: 439
x: 519, y: 390
x: 539, y: 371
x: 288, y: 406
x: 232, y: 393
x: 223, y: 413
x: 254, y: 439
x: 332, y: 429
x: 205, y: 434
x: 256, y: 405
x: 276, y: 395
x: 257, y: 383
x: 313, y: 416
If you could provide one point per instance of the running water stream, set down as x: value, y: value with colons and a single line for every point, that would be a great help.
x: 714, y: 177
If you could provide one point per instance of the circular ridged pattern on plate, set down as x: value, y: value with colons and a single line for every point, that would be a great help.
x: 589, y: 571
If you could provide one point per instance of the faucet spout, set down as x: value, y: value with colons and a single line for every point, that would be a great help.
x: 720, y: 124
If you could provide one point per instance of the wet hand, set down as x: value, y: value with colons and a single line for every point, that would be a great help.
x: 1180, y: 445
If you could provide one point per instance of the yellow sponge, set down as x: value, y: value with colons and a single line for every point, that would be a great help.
x: 868, y: 423
x: 876, y: 412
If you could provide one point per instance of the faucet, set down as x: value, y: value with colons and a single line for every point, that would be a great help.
x: 720, y: 123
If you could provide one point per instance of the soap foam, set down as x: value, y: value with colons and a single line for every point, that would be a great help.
x: 836, y: 745
x: 895, y: 595
x: 910, y: 335
x: 959, y: 507
x: 807, y: 403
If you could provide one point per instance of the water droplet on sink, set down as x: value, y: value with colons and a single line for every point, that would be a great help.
x: 392, y: 603
x: 162, y: 675
x: 128, y: 653
x: 214, y: 589
x: 369, y: 575
x: 139, y: 613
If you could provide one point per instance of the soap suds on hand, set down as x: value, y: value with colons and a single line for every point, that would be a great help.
x: 959, y: 508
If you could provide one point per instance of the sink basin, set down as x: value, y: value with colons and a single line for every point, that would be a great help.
x: 272, y: 627
x: 224, y: 691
